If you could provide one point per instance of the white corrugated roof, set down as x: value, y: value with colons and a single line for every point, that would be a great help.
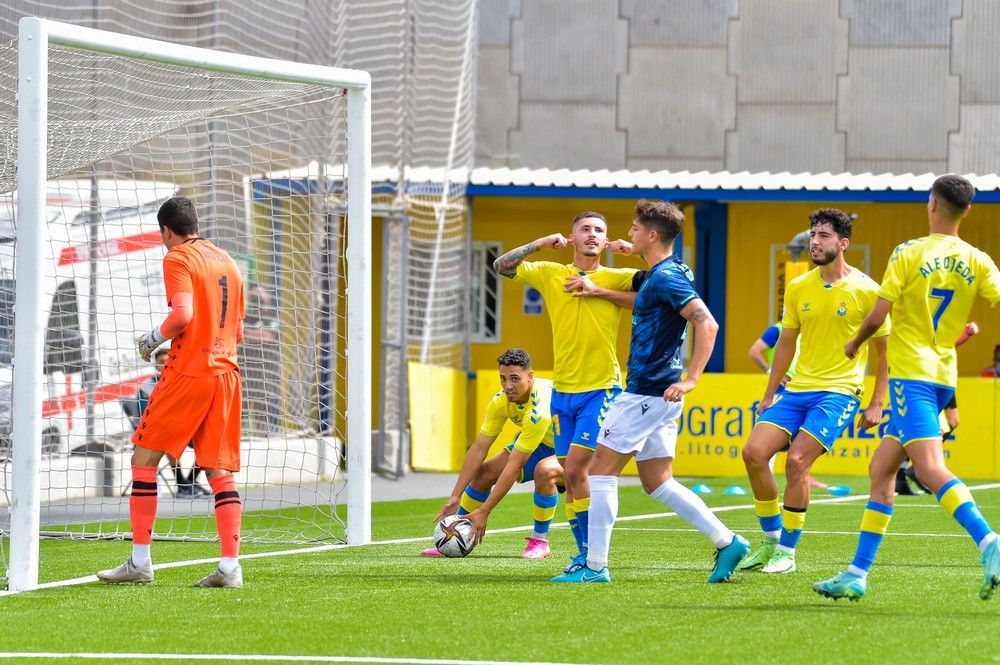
x: 718, y: 180
x: 670, y: 180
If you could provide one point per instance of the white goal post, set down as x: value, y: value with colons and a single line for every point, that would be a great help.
x: 34, y: 39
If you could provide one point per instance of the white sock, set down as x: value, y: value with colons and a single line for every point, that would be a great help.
x: 539, y: 536
x: 603, y: 511
x: 140, y: 555
x: 773, y: 534
x: 854, y: 570
x: 985, y: 542
x: 693, y: 510
x: 227, y: 564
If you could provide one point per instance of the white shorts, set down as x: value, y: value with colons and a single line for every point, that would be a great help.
x: 642, y: 424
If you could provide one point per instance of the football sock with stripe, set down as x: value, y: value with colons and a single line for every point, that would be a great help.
x: 582, y: 508
x: 874, y: 524
x: 956, y: 498
x: 228, y: 516
x: 574, y: 525
x: 472, y: 499
x: 544, y: 509
x: 792, y: 520
x: 142, y: 512
x: 769, y: 516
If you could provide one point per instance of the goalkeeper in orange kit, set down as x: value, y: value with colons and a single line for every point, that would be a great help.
x: 198, y: 396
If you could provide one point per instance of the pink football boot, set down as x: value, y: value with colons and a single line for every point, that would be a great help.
x: 431, y: 551
x: 536, y: 549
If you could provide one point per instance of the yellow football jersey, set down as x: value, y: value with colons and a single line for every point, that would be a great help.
x: 533, y: 417
x: 827, y: 316
x: 584, y: 330
x: 932, y: 283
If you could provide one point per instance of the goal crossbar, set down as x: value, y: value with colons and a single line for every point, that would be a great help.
x: 34, y: 37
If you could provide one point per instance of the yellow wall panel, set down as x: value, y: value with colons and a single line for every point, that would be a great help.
x: 437, y: 417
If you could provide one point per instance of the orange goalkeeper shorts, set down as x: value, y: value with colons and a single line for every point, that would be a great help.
x: 202, y: 409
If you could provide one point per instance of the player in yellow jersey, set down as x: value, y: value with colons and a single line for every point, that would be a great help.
x: 524, y: 400
x: 823, y: 309
x: 929, y: 286
x: 584, y: 340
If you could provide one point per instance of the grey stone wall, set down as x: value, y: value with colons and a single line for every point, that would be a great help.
x: 740, y: 85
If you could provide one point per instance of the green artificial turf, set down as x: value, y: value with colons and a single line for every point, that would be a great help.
x: 384, y: 600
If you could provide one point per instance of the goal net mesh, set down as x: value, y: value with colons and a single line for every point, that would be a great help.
x: 263, y: 162
x: 421, y: 56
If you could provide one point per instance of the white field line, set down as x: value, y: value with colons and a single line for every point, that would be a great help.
x: 264, y: 658
x: 893, y: 534
x: 401, y: 541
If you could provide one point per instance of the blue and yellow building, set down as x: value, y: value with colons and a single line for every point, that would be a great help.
x: 735, y: 237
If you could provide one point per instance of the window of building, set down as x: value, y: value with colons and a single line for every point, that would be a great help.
x: 484, y: 293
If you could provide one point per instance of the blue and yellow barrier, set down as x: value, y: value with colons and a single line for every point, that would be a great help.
x: 716, y: 421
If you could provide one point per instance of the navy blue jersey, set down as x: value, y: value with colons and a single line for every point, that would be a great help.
x: 658, y: 329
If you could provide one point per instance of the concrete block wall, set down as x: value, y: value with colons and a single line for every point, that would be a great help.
x: 741, y: 85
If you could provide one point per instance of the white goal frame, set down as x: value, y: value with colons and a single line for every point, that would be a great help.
x: 34, y: 37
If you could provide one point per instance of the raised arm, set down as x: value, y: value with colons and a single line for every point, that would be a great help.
x: 620, y: 247
x: 705, y: 330
x: 507, y: 264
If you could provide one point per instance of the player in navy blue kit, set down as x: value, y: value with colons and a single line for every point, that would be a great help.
x: 642, y: 421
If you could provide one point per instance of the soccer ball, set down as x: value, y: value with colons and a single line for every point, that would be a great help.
x: 454, y: 536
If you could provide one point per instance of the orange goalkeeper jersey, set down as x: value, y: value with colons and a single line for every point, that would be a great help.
x: 207, y: 345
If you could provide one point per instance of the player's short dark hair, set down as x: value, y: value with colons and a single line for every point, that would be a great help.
x: 955, y: 192
x: 838, y: 220
x: 179, y: 215
x: 662, y: 216
x: 589, y: 214
x: 515, y: 356
x: 162, y: 351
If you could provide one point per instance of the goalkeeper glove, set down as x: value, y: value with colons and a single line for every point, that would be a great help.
x: 146, y: 344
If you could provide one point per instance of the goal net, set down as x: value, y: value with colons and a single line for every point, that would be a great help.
x: 275, y: 156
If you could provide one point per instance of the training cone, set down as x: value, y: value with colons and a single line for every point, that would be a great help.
x: 838, y: 490
x: 735, y: 490
x: 701, y: 488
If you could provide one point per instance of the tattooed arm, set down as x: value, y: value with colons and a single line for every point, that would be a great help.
x: 507, y: 264
x: 705, y: 330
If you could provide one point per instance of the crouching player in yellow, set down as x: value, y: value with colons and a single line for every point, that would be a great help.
x: 524, y: 400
